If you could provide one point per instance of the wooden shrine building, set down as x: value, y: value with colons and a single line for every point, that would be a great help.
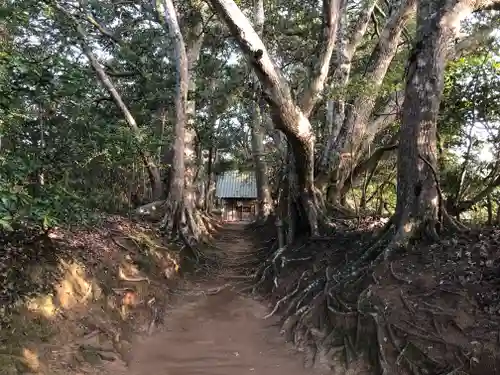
x: 236, y: 193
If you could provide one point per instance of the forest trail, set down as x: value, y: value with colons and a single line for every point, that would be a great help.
x: 214, y: 330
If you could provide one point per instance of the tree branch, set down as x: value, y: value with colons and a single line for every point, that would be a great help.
x: 275, y: 88
x: 463, y: 206
x: 355, y: 124
x: 149, y: 163
x: 332, y: 10
x: 108, y: 34
x: 110, y: 71
x: 360, y: 26
x: 370, y: 163
x: 91, y: 19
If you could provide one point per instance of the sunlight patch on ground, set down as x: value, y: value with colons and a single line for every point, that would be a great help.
x: 74, y: 289
x: 31, y: 360
x: 43, y: 305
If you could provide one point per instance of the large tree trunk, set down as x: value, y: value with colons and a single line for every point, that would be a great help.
x: 187, y: 55
x: 194, y: 38
x: 386, y: 116
x: 497, y: 219
x: 210, y: 186
x: 489, y: 207
x: 5, y: 45
x: 286, y: 114
x: 264, y: 205
x: 419, y: 200
x: 175, y: 201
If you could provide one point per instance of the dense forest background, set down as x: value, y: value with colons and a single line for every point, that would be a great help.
x: 352, y: 111
x: 88, y: 94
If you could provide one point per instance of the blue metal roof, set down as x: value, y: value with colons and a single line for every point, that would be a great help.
x: 236, y: 184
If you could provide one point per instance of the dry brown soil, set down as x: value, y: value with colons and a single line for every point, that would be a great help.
x: 215, y: 330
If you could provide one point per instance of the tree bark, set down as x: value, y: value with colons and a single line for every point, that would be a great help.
x: 175, y: 200
x: 348, y: 39
x: 489, y: 207
x: 497, y: 219
x: 210, y: 181
x: 194, y: 38
x: 332, y: 13
x: 391, y: 112
x: 379, y: 121
x: 419, y: 200
x: 264, y: 206
x: 185, y: 149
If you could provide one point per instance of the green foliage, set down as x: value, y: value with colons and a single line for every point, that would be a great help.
x: 26, y: 202
x: 472, y: 93
x: 56, y: 120
x: 469, y: 124
x: 66, y: 153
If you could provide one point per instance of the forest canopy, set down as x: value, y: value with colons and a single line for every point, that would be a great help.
x: 347, y: 111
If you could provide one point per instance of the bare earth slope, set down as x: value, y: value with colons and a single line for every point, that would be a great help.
x: 214, y: 330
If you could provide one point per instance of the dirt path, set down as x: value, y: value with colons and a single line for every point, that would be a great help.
x: 216, y: 334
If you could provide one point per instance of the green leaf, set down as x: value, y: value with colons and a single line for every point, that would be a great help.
x: 6, y: 225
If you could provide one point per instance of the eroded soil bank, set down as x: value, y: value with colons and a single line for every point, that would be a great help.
x: 432, y: 308
x: 104, y: 301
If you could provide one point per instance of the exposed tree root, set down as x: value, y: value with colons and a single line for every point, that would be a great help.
x: 192, y: 228
x: 444, y: 216
x: 339, y: 211
x: 332, y: 305
x: 212, y: 225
